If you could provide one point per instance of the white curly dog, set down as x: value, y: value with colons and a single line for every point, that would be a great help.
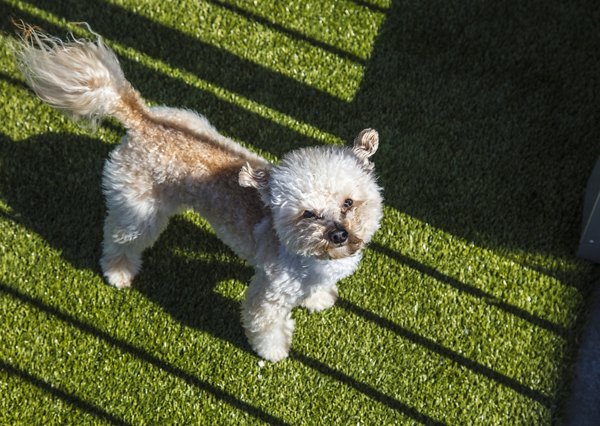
x: 300, y: 223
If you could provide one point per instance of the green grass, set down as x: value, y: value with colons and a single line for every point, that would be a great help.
x: 467, y: 306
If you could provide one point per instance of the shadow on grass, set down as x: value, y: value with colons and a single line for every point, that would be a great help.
x: 52, y: 183
x: 287, y: 31
x: 190, y: 297
x: 229, y: 118
x: 435, y: 347
x: 60, y: 394
x: 191, y: 300
x: 476, y: 124
x: 471, y: 290
x: 58, y: 196
x: 61, y: 187
x: 490, y: 132
x: 211, y: 63
x: 138, y: 353
x: 13, y: 81
x: 372, y: 7
x: 489, y: 119
x: 365, y: 389
x: 147, y: 357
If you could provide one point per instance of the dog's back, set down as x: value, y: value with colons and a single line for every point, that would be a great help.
x: 171, y: 158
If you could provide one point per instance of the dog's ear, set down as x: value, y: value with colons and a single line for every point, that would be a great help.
x: 365, y: 145
x: 253, y: 177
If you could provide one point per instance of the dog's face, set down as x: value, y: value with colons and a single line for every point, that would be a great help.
x: 325, y: 201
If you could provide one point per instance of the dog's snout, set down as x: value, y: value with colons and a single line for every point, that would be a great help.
x: 338, y: 236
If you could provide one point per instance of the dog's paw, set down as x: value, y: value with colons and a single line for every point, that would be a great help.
x: 119, y: 270
x: 321, y: 300
x: 273, y: 343
x: 119, y: 279
x: 274, y: 354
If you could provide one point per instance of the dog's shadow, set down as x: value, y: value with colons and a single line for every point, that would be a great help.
x: 52, y: 184
x: 183, y: 283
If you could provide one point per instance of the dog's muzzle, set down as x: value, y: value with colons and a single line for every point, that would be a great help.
x: 338, y: 236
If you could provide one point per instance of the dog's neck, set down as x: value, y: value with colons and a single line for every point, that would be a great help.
x: 313, y: 271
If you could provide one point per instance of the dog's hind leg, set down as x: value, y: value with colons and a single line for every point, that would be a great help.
x: 137, y: 214
x: 124, y: 242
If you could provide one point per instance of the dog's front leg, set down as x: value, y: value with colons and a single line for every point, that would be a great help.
x: 320, y: 298
x: 267, y: 318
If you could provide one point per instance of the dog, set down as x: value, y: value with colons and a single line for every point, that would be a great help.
x: 301, y: 223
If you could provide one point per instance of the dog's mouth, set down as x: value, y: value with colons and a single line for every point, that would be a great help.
x: 348, y: 248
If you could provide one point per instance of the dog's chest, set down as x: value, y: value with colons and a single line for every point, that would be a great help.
x: 327, y: 272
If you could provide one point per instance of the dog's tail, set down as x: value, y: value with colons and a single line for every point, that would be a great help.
x: 79, y: 77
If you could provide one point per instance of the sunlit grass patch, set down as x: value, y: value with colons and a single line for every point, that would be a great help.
x: 467, y: 304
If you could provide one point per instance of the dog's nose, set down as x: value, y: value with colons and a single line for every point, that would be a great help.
x: 338, y: 236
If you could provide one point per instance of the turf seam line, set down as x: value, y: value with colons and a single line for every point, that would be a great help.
x: 143, y: 355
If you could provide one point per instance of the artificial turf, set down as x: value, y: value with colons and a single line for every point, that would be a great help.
x: 467, y: 306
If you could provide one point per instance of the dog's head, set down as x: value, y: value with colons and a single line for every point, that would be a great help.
x: 325, y: 200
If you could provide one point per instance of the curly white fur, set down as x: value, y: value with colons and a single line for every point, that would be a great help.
x: 301, y: 223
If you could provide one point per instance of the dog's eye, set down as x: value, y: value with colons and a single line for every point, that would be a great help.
x: 308, y: 214
x: 348, y: 203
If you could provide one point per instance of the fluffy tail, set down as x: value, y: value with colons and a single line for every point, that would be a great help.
x: 79, y: 77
